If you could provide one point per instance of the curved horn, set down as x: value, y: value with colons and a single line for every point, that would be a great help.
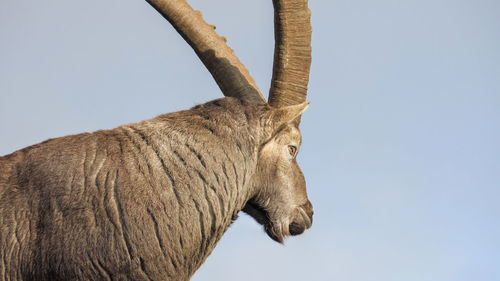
x: 229, y: 73
x: 292, y: 52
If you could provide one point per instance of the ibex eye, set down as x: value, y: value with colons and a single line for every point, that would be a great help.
x: 292, y: 149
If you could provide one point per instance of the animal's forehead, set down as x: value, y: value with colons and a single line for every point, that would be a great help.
x: 289, y: 134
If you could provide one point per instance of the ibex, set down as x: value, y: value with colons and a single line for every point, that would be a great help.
x: 150, y: 200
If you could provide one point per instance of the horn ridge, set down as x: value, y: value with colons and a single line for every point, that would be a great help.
x: 292, y: 52
x: 230, y: 74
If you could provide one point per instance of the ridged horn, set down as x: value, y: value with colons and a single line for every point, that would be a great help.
x: 292, y: 52
x: 230, y: 74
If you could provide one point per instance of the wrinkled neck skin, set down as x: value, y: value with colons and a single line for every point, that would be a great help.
x: 213, y: 149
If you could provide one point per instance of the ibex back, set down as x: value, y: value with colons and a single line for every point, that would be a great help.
x: 149, y: 201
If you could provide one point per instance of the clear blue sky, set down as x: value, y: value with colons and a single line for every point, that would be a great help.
x: 401, y: 141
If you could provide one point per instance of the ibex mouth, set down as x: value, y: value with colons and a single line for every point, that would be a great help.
x: 261, y: 215
x: 297, y: 223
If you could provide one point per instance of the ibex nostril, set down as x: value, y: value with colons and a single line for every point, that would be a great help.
x: 308, y: 208
x: 301, y: 222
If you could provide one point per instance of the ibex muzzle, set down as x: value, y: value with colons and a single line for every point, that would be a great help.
x: 149, y: 201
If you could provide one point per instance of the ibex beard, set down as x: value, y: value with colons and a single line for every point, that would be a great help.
x: 149, y: 201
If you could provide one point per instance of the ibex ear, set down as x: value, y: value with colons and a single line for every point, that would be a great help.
x: 287, y: 114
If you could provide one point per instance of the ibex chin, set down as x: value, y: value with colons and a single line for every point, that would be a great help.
x: 150, y: 200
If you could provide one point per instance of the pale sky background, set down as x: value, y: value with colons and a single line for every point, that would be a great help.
x: 401, y: 141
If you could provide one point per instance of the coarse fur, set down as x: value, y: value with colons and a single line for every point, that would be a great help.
x: 150, y: 200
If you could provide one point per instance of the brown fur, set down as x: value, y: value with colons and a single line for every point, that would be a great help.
x: 149, y: 201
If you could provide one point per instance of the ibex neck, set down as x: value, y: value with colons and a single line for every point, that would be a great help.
x: 210, y: 153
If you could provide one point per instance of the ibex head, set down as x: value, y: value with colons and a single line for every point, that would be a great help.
x: 280, y: 202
